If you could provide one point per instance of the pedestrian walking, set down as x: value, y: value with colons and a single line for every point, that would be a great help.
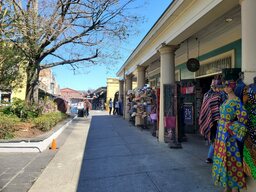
x: 110, y: 105
x: 80, y: 109
x: 117, y: 107
x: 227, y: 169
x: 87, y: 107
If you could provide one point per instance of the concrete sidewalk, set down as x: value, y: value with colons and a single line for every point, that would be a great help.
x: 119, y: 157
x: 62, y: 173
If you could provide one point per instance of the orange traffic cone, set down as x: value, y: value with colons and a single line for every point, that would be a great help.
x: 54, y: 144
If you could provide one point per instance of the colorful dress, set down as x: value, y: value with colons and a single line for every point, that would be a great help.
x: 249, y: 150
x: 227, y: 170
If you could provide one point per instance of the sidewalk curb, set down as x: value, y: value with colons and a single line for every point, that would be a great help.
x: 32, y: 146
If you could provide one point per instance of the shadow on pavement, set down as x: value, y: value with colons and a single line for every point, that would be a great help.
x: 122, y: 158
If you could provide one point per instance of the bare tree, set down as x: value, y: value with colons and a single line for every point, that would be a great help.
x: 50, y: 33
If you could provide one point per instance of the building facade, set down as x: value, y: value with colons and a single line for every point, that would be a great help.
x: 71, y: 96
x: 112, y: 88
x: 47, y: 86
x: 48, y: 83
x: 220, y: 34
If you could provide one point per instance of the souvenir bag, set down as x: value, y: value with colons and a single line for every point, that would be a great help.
x: 153, y: 116
x: 169, y: 121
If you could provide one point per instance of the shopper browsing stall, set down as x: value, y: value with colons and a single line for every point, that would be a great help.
x: 209, y: 115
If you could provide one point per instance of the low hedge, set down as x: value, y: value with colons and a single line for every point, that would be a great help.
x: 47, y: 121
x: 7, y: 126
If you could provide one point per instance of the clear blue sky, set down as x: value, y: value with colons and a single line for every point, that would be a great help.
x: 96, y: 76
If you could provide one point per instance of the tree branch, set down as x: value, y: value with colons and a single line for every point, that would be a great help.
x: 70, y: 61
x: 65, y: 41
x: 58, y: 56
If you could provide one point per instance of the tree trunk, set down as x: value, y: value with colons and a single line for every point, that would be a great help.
x: 32, y: 83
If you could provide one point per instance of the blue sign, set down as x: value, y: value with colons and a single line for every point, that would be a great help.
x: 188, y: 114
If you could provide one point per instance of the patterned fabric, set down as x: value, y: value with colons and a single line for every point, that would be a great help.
x: 227, y: 170
x: 239, y: 89
x: 205, y: 116
x: 250, y: 142
x: 209, y: 112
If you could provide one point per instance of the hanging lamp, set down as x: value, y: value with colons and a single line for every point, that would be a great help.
x: 193, y: 64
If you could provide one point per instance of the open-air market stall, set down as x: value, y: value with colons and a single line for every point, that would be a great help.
x: 216, y: 34
x: 141, y: 104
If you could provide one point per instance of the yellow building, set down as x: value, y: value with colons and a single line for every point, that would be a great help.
x: 20, y: 92
x: 47, y: 84
x: 112, y: 88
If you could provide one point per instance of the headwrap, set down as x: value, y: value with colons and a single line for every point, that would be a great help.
x: 230, y: 83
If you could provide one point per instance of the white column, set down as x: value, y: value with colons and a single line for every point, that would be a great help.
x: 121, y: 89
x: 128, y: 86
x: 167, y: 76
x: 141, y: 77
x: 248, y: 15
x: 121, y: 95
x: 128, y: 83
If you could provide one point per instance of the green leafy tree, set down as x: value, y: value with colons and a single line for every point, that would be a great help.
x: 78, y: 33
x: 10, y: 57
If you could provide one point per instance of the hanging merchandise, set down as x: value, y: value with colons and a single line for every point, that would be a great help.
x: 145, y: 101
x: 183, y: 90
x: 153, y: 116
x: 169, y: 122
x: 187, y: 98
x: 249, y: 151
x: 187, y: 88
x: 169, y: 118
x: 190, y: 89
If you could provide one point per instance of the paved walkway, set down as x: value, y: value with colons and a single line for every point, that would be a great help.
x: 18, y: 171
x: 118, y: 157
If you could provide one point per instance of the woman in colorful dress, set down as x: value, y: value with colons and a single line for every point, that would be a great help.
x: 227, y: 170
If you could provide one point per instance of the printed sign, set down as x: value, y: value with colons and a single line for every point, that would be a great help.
x: 188, y: 114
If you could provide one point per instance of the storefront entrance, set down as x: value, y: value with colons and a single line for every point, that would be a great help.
x: 191, y: 94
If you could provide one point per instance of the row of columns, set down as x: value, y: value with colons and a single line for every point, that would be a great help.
x: 167, y: 60
x: 167, y: 71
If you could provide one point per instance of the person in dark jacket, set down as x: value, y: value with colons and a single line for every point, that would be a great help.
x: 110, y: 106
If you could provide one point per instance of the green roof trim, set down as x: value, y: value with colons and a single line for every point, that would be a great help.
x: 236, y: 45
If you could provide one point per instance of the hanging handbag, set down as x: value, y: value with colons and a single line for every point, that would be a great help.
x: 170, y: 122
x: 153, y: 116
